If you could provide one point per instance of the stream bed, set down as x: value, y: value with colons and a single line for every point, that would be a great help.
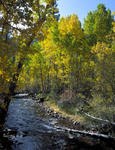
x: 31, y: 128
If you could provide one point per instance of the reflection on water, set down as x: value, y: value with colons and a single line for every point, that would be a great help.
x: 31, y: 128
x: 33, y: 131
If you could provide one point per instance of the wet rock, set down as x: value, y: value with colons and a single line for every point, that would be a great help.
x: 41, y: 100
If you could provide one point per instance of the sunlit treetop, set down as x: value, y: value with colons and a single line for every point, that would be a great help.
x: 99, y: 22
x: 71, y: 25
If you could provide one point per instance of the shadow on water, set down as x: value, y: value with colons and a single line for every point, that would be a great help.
x: 31, y: 128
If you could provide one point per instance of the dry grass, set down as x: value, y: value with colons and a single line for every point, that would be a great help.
x: 52, y: 105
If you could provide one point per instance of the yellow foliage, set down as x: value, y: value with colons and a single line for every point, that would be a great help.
x: 71, y: 25
x: 1, y: 72
x: 101, y: 49
x: 113, y: 26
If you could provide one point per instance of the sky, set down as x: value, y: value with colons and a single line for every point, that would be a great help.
x: 82, y: 7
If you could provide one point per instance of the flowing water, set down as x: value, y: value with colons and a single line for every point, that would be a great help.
x: 31, y: 128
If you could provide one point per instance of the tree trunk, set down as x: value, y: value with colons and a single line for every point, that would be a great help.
x: 13, y: 83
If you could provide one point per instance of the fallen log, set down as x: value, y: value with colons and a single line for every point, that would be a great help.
x: 99, y: 119
x: 94, y: 140
x: 84, y: 133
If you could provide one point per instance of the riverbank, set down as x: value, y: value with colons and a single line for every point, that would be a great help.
x: 39, y: 125
x: 77, y: 130
x: 50, y: 108
x: 38, y: 129
x: 78, y: 121
x: 74, y: 122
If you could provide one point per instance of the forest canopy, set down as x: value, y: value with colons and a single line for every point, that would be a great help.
x: 41, y: 53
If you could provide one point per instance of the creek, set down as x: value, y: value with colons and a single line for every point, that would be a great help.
x: 31, y: 128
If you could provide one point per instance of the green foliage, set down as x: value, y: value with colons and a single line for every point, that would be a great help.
x: 101, y: 108
x: 98, y: 24
x: 59, y: 57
